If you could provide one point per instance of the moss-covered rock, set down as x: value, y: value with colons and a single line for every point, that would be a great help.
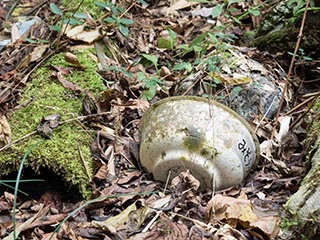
x: 44, y: 96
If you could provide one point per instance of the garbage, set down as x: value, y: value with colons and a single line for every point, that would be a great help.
x: 19, y: 30
x: 197, y: 134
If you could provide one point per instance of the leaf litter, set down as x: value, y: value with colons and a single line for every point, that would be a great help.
x: 132, y: 205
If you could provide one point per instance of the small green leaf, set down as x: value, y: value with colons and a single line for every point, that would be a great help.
x: 172, y: 34
x: 101, y: 4
x: 29, y: 40
x: 125, y: 21
x: 124, y: 30
x: 199, y: 39
x: 165, y: 43
x: 151, y: 58
x: 125, y: 73
x: 236, y: 89
x: 55, y: 28
x: 142, y: 2
x: 306, y: 58
x: 234, y: 1
x: 43, y: 41
x: 110, y: 20
x: 216, y: 11
x: 254, y: 12
x: 140, y: 76
x: 55, y: 9
x: 71, y: 21
x: 149, y: 94
x: 80, y: 15
x: 183, y: 66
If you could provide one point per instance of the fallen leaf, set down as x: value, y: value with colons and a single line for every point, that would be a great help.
x: 266, y: 149
x: 5, y: 131
x: 185, y: 181
x: 47, y: 124
x: 242, y: 211
x: 228, y: 233
x: 72, y: 59
x: 80, y: 34
x: 284, y: 128
x: 115, y: 223
x: 38, y: 52
x: 67, y: 84
x: 102, y: 173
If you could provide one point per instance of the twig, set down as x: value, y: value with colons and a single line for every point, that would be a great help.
x: 85, y: 165
x: 18, y: 140
x: 299, y: 105
x: 290, y: 68
x: 11, y: 10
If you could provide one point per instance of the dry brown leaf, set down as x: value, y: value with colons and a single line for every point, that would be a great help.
x: 14, y: 33
x: 186, y: 181
x: 115, y: 223
x: 102, y: 173
x: 72, y: 59
x: 80, y: 34
x: 284, y: 128
x: 241, y: 211
x: 266, y: 149
x: 5, y: 131
x: 181, y: 4
x: 228, y: 233
x: 38, y: 52
x: 67, y: 84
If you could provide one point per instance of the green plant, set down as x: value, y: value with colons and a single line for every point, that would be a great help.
x: 75, y: 18
x: 151, y: 85
x: 168, y: 42
x: 181, y: 65
x: 231, y: 13
x: 301, y: 55
x: 116, y: 18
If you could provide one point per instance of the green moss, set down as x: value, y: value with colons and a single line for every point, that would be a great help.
x: 87, y: 5
x: 194, y: 140
x: 44, y: 96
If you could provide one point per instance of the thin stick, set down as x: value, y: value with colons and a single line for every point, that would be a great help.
x: 85, y: 165
x: 300, y: 105
x: 18, y: 140
x: 290, y: 68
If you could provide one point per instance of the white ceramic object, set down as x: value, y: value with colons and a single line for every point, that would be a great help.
x: 200, y: 135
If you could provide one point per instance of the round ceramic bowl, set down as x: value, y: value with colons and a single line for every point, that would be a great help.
x: 200, y: 135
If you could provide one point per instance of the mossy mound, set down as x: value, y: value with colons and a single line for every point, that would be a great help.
x: 67, y: 150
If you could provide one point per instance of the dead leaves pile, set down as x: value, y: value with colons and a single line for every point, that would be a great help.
x: 127, y: 203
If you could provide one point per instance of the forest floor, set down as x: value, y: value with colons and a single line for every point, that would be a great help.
x: 114, y: 60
